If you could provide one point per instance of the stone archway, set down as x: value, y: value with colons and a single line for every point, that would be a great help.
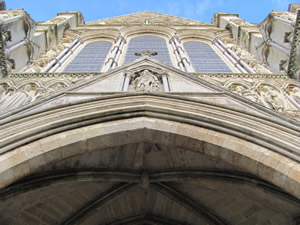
x: 202, y: 173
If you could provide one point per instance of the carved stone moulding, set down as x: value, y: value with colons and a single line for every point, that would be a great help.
x: 243, y: 75
x: 135, y: 30
x: 52, y: 75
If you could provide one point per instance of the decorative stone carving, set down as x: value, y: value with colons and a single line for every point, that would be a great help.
x: 38, y: 64
x: 294, y: 64
x: 3, y: 92
x: 55, y: 87
x: 284, y: 15
x: 30, y: 90
x: 228, y: 40
x: 272, y: 98
x: 23, y: 90
x: 250, y: 59
x: 240, y: 22
x: 146, y: 18
x: 3, y: 66
x: 259, y: 67
x: 294, y: 92
x: 243, y: 91
x: 146, y: 53
x: 146, y: 82
x: 11, y: 13
x: 58, y: 20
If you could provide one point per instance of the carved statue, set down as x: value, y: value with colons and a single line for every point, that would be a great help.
x: 146, y: 82
x: 272, y: 97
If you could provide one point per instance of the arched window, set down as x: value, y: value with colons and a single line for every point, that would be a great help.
x: 204, y: 58
x: 151, y: 43
x: 90, y: 58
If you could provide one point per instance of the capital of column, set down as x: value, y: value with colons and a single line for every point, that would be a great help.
x: 174, y: 38
x: 128, y: 74
x: 120, y: 39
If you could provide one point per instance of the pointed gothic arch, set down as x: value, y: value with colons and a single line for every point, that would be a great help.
x: 141, y: 147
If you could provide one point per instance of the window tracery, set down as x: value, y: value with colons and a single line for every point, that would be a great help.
x: 151, y: 43
x: 90, y: 58
x: 204, y: 58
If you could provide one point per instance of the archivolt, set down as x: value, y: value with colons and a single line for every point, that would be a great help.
x: 258, y: 145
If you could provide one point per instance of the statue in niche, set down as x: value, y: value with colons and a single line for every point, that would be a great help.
x: 146, y: 82
x: 272, y: 98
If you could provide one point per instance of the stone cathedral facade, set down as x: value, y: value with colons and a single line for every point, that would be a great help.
x: 149, y: 119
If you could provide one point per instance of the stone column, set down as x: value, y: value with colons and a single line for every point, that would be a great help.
x: 72, y: 47
x: 179, y: 62
x: 65, y: 57
x: 234, y: 62
x: 114, y: 54
x: 127, y: 78
x: 119, y: 52
x: 235, y: 56
x: 165, y: 83
x: 182, y: 54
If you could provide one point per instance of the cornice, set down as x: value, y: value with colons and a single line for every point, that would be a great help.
x: 83, y: 75
x: 51, y: 75
x: 242, y: 75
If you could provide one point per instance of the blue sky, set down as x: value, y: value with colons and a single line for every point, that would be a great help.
x: 253, y: 11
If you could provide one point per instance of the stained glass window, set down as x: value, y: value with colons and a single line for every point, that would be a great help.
x: 204, y: 59
x: 90, y: 58
x: 151, y: 43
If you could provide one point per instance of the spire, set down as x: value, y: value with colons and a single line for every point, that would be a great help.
x: 2, y: 5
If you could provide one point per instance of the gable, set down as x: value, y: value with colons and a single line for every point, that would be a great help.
x: 146, y: 18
